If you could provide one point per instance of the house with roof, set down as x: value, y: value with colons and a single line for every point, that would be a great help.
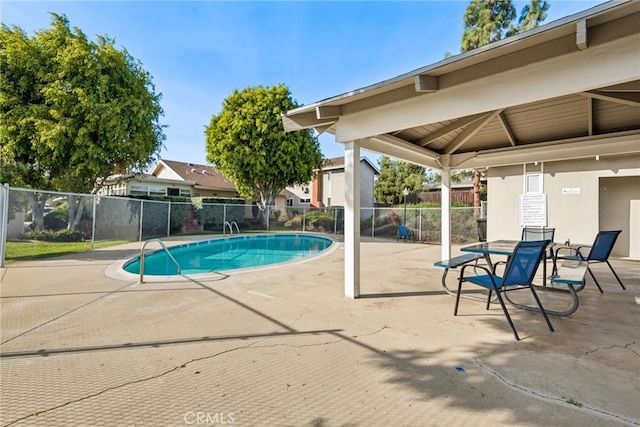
x: 179, y: 179
x: 172, y: 178
x: 327, y: 188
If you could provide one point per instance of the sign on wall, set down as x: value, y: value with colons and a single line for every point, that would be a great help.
x: 533, y: 209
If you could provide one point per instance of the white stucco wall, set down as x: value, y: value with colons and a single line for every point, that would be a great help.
x: 575, y: 216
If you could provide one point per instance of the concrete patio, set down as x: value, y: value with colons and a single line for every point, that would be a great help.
x: 282, y: 346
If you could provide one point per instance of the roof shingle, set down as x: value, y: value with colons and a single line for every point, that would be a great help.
x: 203, y: 175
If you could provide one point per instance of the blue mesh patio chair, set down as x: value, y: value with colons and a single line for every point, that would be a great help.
x: 405, y: 234
x: 539, y: 233
x: 598, y: 252
x: 518, y: 274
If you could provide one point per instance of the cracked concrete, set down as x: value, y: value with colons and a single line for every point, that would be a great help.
x: 284, y: 347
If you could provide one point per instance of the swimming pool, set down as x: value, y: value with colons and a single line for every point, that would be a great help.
x: 231, y: 253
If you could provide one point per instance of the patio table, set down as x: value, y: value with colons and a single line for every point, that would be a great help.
x: 503, y: 247
x: 568, y: 274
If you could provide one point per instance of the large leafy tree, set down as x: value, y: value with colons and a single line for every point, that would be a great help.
x: 394, y: 177
x: 72, y: 111
x: 487, y: 21
x: 247, y: 143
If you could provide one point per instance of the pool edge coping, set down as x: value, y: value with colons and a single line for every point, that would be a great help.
x: 116, y: 269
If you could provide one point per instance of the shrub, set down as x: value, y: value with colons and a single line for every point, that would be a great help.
x: 318, y: 219
x: 65, y: 235
x: 283, y: 218
x: 56, y: 219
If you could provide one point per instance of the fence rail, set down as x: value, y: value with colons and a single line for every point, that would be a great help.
x: 28, y: 214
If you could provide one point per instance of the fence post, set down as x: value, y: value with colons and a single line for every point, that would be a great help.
x: 169, y: 220
x: 304, y: 219
x: 224, y: 218
x: 335, y: 221
x: 373, y: 222
x: 420, y: 223
x: 141, y: 217
x: 268, y: 215
x: 4, y: 225
x: 93, y: 222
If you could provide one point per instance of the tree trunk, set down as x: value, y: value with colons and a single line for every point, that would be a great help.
x: 476, y: 193
x: 266, y: 199
x: 37, y: 208
x: 76, y: 209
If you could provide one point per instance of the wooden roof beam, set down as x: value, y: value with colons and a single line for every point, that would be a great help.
x: 631, y: 99
x: 470, y: 131
x: 304, y: 121
x: 328, y: 111
x: 455, y: 125
x: 424, y: 83
x: 507, y: 129
x: 581, y: 34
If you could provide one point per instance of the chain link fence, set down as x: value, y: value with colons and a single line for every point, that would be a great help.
x: 28, y: 215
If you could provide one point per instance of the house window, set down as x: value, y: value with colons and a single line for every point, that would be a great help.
x: 533, y: 183
x: 185, y: 193
x: 289, y: 201
x: 139, y: 190
x: 156, y: 191
x: 533, y: 177
x: 305, y: 200
x: 173, y: 191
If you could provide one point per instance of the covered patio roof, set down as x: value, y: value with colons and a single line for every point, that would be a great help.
x: 570, y: 84
x: 566, y: 90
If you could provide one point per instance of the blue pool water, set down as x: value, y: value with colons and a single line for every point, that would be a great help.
x: 230, y: 254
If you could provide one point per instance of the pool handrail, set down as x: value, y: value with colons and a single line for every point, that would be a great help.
x: 165, y: 249
x: 230, y: 224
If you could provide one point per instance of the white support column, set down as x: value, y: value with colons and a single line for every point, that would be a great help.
x: 352, y: 220
x: 445, y: 213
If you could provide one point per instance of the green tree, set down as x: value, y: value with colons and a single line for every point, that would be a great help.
x: 72, y: 111
x: 247, y: 143
x: 531, y: 16
x: 394, y: 177
x: 487, y: 21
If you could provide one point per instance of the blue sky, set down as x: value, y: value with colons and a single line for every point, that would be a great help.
x: 199, y: 52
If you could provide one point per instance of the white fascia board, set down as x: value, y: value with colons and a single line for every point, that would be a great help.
x: 204, y: 187
x: 608, y: 64
x: 149, y: 178
x: 578, y: 148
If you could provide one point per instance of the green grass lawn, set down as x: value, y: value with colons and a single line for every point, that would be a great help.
x: 36, y: 249
x: 33, y: 249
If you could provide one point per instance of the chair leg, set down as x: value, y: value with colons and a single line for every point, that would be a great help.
x: 614, y: 273
x: 544, y: 313
x: 506, y: 313
x: 489, y: 299
x: 455, y: 309
x: 595, y: 280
